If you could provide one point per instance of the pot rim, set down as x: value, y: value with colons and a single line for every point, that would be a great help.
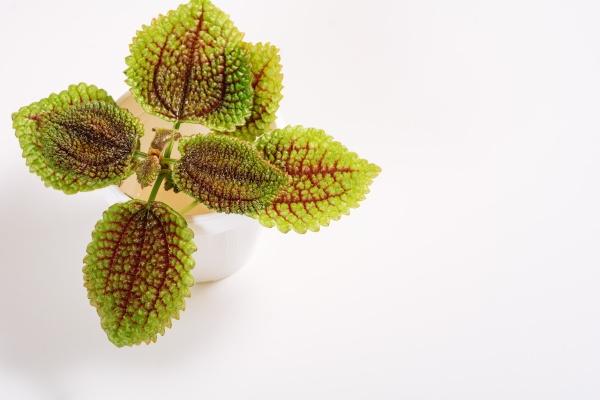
x: 118, y: 195
x: 211, y: 223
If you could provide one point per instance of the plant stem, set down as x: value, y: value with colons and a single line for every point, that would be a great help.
x: 161, y: 176
x: 140, y: 154
x: 169, y: 148
x: 156, y: 187
x: 189, y: 208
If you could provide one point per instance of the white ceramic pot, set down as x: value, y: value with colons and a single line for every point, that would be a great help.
x: 225, y: 241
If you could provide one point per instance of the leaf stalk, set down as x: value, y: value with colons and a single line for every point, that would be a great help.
x: 163, y: 174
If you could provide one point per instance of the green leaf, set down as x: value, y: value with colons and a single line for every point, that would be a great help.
x: 188, y: 66
x: 137, y: 270
x: 226, y: 174
x: 78, y: 140
x: 327, y: 180
x: 147, y: 170
x: 267, y: 82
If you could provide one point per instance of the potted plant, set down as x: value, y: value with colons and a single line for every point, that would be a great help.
x: 190, y: 66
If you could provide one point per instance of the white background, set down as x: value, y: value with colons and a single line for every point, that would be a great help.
x: 470, y: 272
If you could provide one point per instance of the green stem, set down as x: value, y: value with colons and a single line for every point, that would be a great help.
x: 169, y: 149
x: 189, y: 208
x: 161, y: 176
x: 140, y: 154
x: 156, y: 187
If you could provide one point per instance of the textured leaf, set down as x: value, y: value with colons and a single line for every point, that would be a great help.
x: 188, y: 66
x: 267, y: 82
x: 327, y: 180
x: 137, y: 270
x: 162, y: 137
x: 79, y: 139
x: 226, y: 174
x: 147, y: 170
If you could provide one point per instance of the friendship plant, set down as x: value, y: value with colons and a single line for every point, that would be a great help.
x: 188, y: 66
